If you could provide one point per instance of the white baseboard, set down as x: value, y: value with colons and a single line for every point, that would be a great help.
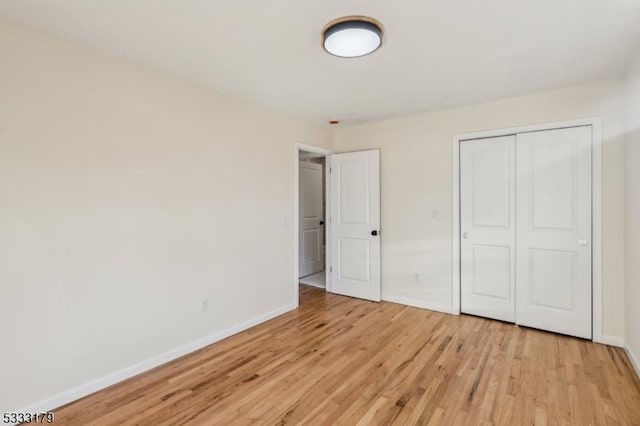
x: 81, y: 391
x: 635, y: 360
x: 612, y: 341
x: 417, y: 303
x: 314, y: 285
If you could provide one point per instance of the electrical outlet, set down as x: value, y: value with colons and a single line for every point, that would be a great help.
x: 204, y: 305
x: 435, y: 214
x: 417, y: 276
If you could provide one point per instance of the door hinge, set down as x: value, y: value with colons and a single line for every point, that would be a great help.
x: 330, y: 268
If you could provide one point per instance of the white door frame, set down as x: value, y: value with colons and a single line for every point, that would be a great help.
x: 596, y: 227
x: 296, y: 207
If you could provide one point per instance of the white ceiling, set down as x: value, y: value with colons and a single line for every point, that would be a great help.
x: 436, y: 53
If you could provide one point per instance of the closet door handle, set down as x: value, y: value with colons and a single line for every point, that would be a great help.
x: 583, y: 242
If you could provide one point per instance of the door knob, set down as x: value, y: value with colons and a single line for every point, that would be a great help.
x: 374, y: 232
x: 322, y: 222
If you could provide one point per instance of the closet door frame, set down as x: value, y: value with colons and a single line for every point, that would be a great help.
x: 596, y: 177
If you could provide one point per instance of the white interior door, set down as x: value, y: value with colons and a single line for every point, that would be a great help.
x: 554, y: 230
x: 355, y: 224
x: 310, y: 253
x: 487, y: 227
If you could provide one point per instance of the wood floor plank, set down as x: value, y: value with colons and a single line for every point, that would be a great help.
x: 338, y: 360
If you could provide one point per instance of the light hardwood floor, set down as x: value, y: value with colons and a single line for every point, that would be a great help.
x: 338, y: 360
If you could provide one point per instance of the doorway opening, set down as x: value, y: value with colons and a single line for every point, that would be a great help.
x: 312, y: 238
x: 337, y: 223
x: 311, y: 224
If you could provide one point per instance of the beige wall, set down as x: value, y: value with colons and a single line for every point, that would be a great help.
x: 416, y: 179
x: 632, y: 205
x: 126, y: 196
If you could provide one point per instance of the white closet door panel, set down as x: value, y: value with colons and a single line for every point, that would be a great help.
x: 487, y: 213
x: 554, y: 230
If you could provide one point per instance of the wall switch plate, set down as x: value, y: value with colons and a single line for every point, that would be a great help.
x: 435, y: 214
x: 204, y: 305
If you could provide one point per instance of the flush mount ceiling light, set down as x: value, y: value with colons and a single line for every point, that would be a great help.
x: 352, y: 36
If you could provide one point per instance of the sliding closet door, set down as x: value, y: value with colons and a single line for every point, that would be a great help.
x: 554, y: 230
x: 487, y: 219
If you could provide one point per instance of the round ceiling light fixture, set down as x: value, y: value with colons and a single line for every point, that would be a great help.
x: 352, y: 36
